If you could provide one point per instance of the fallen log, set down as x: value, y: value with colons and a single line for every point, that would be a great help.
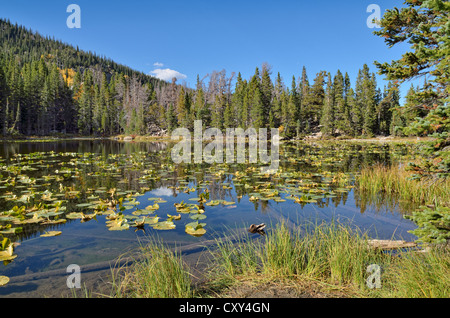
x: 390, y: 244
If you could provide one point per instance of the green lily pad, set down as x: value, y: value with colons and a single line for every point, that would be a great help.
x: 165, y: 225
x: 198, y: 217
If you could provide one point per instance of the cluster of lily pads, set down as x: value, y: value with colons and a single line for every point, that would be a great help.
x: 41, y: 191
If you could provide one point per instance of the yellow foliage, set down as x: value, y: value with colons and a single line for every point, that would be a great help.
x: 68, y: 75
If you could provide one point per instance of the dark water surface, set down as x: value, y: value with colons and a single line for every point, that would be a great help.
x: 145, y: 170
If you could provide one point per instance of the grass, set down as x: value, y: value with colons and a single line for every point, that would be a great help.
x: 419, y: 275
x: 333, y: 256
x: 336, y: 256
x: 158, y: 273
x: 332, y: 253
x: 394, y: 182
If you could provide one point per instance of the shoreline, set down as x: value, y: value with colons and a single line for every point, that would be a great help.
x: 126, y: 138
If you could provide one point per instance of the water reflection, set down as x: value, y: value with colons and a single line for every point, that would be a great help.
x: 313, y: 184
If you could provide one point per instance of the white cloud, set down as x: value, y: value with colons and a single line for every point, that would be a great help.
x: 157, y: 64
x: 167, y: 74
x: 162, y: 192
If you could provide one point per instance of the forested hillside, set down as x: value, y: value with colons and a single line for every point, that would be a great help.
x: 49, y: 87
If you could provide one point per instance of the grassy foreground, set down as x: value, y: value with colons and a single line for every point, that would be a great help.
x: 331, y: 256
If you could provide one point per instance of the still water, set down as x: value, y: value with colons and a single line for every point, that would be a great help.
x: 52, y: 180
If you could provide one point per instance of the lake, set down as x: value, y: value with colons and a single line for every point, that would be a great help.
x: 95, y: 200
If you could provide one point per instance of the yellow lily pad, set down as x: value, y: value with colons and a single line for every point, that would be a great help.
x: 195, y: 230
x: 51, y: 234
x: 4, y: 256
x: 4, y: 280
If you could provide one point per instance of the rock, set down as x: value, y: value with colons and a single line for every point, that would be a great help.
x: 317, y: 135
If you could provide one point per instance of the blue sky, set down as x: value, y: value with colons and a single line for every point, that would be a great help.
x: 200, y: 36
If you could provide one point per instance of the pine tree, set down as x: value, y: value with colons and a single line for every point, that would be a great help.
x: 275, y: 119
x: 345, y: 123
x: 424, y: 25
x: 254, y: 112
x: 340, y: 105
x: 315, y: 100
x: 257, y: 110
x: 228, y: 117
x: 85, y: 104
x: 292, y: 111
x: 171, y: 118
x: 354, y: 114
x: 266, y: 94
x: 217, y: 111
x: 369, y: 103
x: 237, y: 101
x: 3, y: 98
x: 182, y: 109
x: 357, y: 107
x: 304, y: 101
x: 328, y: 119
x: 201, y: 112
x: 390, y: 101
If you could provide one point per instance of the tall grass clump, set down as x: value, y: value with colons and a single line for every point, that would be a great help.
x: 328, y: 252
x: 395, y: 182
x: 338, y: 254
x: 419, y: 275
x: 234, y: 259
x: 158, y: 273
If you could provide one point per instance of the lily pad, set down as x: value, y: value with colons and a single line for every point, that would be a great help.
x: 4, y: 280
x: 51, y: 234
x: 228, y: 202
x: 119, y: 227
x: 74, y: 215
x: 152, y: 220
x: 213, y: 203
x: 85, y: 205
x: 165, y: 225
x: 198, y: 217
x: 195, y: 229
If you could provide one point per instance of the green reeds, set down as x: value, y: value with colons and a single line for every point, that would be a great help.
x: 418, y: 275
x: 330, y: 253
x: 335, y: 255
x: 158, y: 273
x: 394, y: 182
